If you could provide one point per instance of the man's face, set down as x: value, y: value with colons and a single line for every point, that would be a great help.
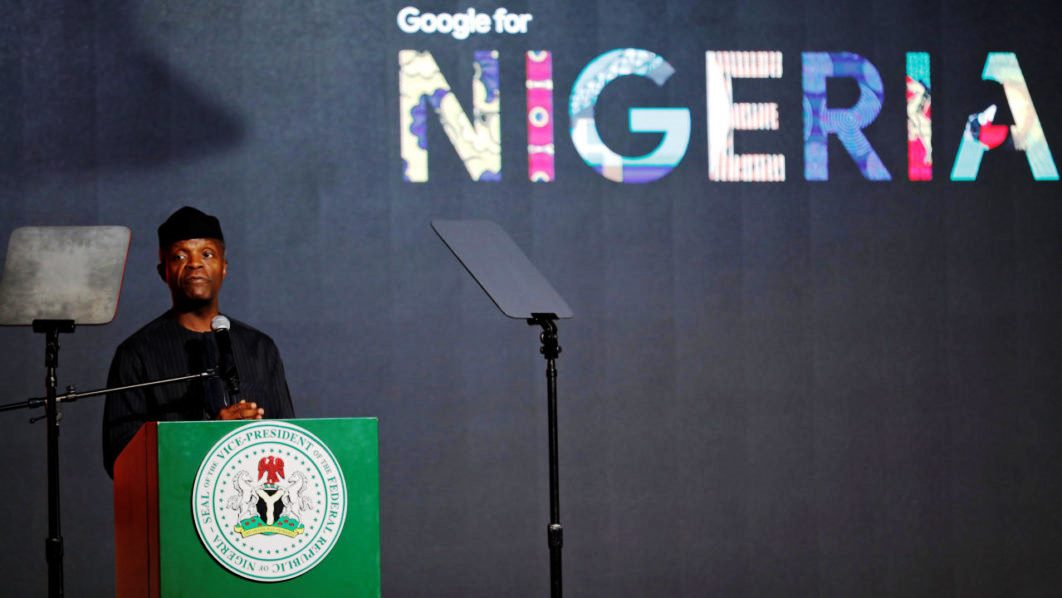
x: 194, y: 270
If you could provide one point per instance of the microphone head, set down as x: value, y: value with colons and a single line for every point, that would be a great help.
x: 219, y: 323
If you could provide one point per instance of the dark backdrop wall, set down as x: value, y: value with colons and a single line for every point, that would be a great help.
x: 837, y: 388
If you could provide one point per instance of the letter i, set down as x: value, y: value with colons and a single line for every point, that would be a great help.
x: 540, y: 153
x: 919, y: 120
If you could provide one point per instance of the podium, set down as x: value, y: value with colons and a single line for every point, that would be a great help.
x: 230, y: 508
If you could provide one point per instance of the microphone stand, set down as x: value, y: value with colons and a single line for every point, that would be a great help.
x: 53, y: 544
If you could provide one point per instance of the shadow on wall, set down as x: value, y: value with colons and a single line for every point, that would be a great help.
x: 79, y: 91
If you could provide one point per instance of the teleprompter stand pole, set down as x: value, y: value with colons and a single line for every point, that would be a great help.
x: 554, y: 533
x: 53, y: 544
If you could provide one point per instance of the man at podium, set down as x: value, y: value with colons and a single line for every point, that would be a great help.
x: 179, y: 342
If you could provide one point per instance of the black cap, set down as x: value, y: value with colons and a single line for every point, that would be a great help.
x: 189, y: 223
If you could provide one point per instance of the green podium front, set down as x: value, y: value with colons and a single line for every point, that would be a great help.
x: 269, y: 507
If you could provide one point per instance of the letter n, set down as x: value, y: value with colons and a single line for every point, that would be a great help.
x: 422, y: 87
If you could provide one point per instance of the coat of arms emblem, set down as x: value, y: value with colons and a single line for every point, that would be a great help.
x: 272, y: 506
x: 269, y: 501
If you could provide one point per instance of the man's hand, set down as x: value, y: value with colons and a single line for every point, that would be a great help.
x: 242, y: 410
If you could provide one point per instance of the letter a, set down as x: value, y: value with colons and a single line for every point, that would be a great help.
x: 1026, y: 134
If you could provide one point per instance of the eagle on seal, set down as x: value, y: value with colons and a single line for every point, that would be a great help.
x: 272, y: 467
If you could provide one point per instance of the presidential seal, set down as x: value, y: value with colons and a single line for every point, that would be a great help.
x: 269, y: 501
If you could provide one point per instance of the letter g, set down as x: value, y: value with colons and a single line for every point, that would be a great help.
x: 407, y: 19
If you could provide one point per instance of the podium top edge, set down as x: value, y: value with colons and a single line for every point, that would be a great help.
x: 267, y: 420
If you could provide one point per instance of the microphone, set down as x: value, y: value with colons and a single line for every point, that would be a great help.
x: 226, y: 364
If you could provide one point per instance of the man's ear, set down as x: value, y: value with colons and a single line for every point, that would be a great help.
x: 162, y: 271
